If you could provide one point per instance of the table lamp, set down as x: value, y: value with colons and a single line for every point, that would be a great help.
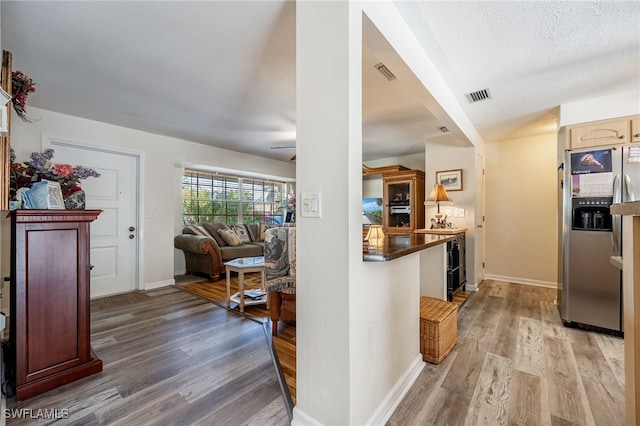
x: 375, y: 236
x: 438, y: 195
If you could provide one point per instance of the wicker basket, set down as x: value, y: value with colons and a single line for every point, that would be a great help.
x: 438, y: 328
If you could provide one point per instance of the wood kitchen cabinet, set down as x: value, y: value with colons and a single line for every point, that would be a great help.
x: 605, y: 132
x: 635, y: 130
x: 403, y: 201
x: 50, y: 312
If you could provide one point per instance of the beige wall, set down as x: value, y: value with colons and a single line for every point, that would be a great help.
x: 521, y: 210
x: 447, y: 157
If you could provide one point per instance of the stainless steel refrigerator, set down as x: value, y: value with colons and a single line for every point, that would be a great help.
x: 590, y: 293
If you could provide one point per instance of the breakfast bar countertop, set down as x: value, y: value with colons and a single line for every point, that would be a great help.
x: 441, y: 231
x: 399, y: 245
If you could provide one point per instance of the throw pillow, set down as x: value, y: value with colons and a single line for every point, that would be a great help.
x: 241, y: 232
x: 199, y: 230
x: 253, y: 229
x: 263, y: 228
x: 230, y: 237
x: 213, y: 230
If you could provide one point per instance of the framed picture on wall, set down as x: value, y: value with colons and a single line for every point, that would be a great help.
x: 450, y: 179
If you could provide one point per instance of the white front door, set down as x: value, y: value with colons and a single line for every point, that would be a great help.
x: 114, y: 235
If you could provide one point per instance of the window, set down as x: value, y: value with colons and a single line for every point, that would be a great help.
x: 216, y: 198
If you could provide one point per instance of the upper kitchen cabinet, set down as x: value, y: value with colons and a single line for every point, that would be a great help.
x: 635, y: 129
x: 403, y: 201
x: 606, y: 132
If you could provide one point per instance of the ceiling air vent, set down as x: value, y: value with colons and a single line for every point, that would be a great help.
x: 479, y: 95
x: 382, y: 68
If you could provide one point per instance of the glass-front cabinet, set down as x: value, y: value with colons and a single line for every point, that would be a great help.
x: 403, y: 201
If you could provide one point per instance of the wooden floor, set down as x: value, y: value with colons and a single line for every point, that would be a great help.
x: 515, y: 363
x: 171, y: 358
x: 284, y: 343
x: 175, y: 358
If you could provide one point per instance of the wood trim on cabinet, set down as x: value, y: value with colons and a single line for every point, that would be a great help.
x: 384, y: 171
x: 5, y: 141
x: 635, y: 130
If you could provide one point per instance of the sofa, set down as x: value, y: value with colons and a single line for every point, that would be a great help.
x: 208, y: 246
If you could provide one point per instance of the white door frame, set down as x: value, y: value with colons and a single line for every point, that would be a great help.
x: 50, y: 141
x: 480, y: 219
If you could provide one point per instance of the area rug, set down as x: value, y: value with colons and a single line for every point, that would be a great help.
x: 118, y: 300
x: 216, y: 292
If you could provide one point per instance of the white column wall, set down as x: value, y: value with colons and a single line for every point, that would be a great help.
x: 358, y: 322
x: 328, y: 62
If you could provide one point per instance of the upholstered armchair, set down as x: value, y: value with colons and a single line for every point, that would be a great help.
x: 280, y: 274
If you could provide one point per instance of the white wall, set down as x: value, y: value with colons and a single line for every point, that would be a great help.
x: 412, y: 161
x: 446, y: 157
x: 603, y: 108
x: 521, y: 210
x: 161, y: 179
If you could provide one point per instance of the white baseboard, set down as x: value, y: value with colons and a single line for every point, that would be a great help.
x: 300, y: 418
x: 159, y: 284
x: 471, y: 287
x: 397, y: 393
x: 516, y: 280
x: 387, y: 407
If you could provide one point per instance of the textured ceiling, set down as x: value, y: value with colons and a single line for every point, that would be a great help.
x: 223, y: 73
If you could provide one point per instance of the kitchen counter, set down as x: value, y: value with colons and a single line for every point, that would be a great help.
x: 441, y: 231
x: 632, y: 209
x: 398, y: 245
x: 617, y: 262
x: 631, y: 306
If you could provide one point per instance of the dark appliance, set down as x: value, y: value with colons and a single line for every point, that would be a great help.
x: 456, y: 272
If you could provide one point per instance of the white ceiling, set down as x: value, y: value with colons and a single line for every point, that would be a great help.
x: 223, y: 73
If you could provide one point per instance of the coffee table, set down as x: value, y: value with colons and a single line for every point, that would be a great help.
x: 241, y: 266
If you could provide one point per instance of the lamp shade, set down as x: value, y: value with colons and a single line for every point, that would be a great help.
x: 375, y: 236
x: 438, y: 194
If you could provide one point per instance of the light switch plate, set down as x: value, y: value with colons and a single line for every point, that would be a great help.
x: 310, y: 204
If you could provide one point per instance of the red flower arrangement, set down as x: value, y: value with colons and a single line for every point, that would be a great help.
x: 21, y: 86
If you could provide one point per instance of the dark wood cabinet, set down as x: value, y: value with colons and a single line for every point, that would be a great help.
x: 50, y: 304
x: 403, y: 201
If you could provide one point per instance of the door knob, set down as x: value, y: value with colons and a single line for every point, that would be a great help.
x: 131, y: 229
x: 131, y: 236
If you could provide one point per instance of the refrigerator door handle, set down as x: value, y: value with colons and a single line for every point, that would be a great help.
x: 614, y: 236
x: 628, y: 189
x: 614, y: 222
